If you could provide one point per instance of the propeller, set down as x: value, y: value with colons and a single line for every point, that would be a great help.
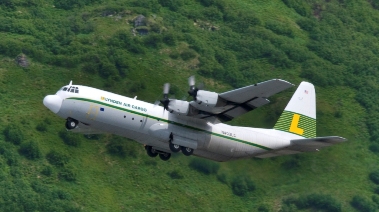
x: 193, y: 90
x: 165, y: 101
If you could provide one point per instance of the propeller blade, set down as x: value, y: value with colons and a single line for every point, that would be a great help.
x: 166, y: 88
x: 191, y: 81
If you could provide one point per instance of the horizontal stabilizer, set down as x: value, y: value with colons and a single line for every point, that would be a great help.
x: 303, y: 145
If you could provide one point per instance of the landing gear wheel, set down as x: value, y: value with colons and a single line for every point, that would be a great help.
x: 174, y: 147
x: 151, y: 151
x: 71, y: 123
x: 164, y: 156
x: 187, y: 151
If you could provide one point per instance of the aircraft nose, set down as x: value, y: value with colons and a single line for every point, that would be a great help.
x: 53, y: 102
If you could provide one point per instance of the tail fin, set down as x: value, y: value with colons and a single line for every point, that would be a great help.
x: 299, y: 117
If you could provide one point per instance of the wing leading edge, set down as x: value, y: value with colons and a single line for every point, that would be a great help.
x: 243, y: 100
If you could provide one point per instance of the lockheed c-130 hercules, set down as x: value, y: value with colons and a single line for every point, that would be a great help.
x: 196, y: 127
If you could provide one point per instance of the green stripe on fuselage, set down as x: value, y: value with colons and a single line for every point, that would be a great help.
x: 168, y: 121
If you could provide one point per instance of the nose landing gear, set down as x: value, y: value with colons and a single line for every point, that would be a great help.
x: 71, y: 123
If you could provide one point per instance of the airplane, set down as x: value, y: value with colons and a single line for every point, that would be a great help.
x: 196, y: 127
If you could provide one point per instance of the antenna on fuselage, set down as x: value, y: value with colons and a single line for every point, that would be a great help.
x: 70, y: 83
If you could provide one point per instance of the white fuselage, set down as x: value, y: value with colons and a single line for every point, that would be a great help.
x: 149, y: 124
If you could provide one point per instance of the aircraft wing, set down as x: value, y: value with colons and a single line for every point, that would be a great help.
x: 85, y: 129
x: 304, y: 145
x: 243, y: 100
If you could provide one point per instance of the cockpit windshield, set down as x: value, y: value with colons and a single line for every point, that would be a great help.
x: 71, y: 89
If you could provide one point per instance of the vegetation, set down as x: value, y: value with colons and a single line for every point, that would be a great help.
x: 314, y: 201
x: 204, y: 166
x: 226, y: 44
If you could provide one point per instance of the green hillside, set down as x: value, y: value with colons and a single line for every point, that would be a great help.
x: 227, y: 44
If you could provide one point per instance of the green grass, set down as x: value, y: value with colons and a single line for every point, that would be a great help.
x: 105, y: 182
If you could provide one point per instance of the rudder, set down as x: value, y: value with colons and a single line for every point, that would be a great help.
x: 299, y: 117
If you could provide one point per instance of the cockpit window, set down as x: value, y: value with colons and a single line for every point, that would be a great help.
x: 73, y: 89
x: 64, y: 88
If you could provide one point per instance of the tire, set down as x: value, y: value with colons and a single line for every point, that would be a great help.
x: 151, y: 151
x: 174, y: 147
x: 71, y: 124
x: 186, y: 151
x: 164, y: 156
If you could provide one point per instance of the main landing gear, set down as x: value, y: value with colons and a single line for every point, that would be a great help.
x: 176, y: 148
x: 71, y: 123
x: 154, y: 153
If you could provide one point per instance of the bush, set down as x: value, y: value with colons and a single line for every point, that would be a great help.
x: 10, y: 156
x: 175, y: 174
x: 47, y: 171
x: 204, y: 166
x: 374, y: 176
x: 315, y: 201
x: 169, y: 39
x: 30, y: 150
x: 67, y: 174
x: 291, y: 164
x: 362, y: 204
x: 188, y: 54
x: 56, y: 158
x: 42, y: 127
x: 241, y: 185
x: 121, y: 147
x: 374, y: 148
x: 137, y: 86
x: 69, y: 138
x: 222, y: 178
x: 13, y: 134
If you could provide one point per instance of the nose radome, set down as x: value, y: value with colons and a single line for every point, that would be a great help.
x: 53, y: 102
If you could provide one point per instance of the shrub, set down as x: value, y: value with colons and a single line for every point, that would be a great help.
x: 222, y: 178
x: 204, y: 166
x: 30, y: 150
x: 56, y: 158
x: 69, y: 138
x: 241, y: 185
x: 279, y: 28
x: 120, y: 147
x: 42, y: 127
x: 291, y: 164
x: 67, y: 174
x: 362, y: 204
x: 175, y: 174
x: 169, y: 39
x: 47, y: 171
x: 374, y: 148
x: 60, y: 194
x: 13, y: 134
x: 10, y: 156
x: 137, y: 86
x: 315, y: 201
x: 374, y: 176
x: 375, y: 199
x: 188, y: 54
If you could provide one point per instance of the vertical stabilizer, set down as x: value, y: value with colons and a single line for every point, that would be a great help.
x: 299, y: 117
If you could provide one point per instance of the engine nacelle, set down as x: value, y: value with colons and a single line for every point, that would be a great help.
x: 178, y: 107
x: 207, y: 97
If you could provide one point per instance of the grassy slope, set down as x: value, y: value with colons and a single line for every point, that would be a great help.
x: 109, y: 183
